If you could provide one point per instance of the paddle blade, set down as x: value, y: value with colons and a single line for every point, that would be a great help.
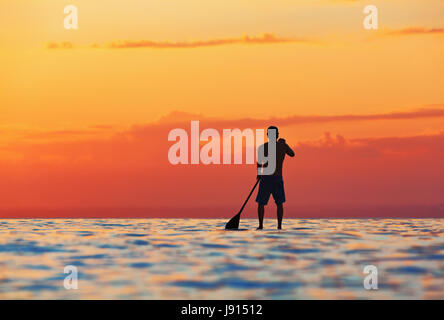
x: 234, y: 222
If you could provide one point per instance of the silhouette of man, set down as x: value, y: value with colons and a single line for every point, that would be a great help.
x: 272, y: 184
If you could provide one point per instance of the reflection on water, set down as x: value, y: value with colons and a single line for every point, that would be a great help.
x: 197, y: 259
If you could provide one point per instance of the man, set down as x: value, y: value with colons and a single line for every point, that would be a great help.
x: 272, y: 184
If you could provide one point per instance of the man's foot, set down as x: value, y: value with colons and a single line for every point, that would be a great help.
x: 279, y: 227
x: 260, y: 228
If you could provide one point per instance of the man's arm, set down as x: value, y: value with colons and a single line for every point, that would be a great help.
x: 288, y: 150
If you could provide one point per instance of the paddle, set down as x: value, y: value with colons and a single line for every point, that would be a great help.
x: 234, y: 222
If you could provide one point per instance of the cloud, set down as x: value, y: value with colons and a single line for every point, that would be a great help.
x: 60, y: 45
x: 417, y: 114
x: 64, y: 135
x: 265, y: 38
x: 415, y: 31
x: 343, y: 1
x: 310, y: 119
x: 126, y: 171
x: 103, y: 126
x: 180, y: 119
x: 129, y: 175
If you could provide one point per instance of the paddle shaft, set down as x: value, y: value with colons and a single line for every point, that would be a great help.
x: 248, y: 198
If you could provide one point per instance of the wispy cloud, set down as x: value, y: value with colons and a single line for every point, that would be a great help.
x: 180, y: 119
x: 415, y: 31
x: 416, y: 114
x: 265, y: 38
x: 310, y: 119
x: 60, y: 45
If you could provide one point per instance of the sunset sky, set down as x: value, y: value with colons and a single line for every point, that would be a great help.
x: 85, y: 114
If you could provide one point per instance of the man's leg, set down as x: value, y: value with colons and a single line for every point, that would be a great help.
x: 260, y: 215
x: 280, y: 214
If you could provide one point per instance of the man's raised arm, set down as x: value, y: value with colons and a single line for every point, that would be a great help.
x: 288, y: 150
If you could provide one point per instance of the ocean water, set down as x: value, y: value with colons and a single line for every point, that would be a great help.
x: 197, y: 259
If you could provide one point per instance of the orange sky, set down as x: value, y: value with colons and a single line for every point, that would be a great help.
x: 78, y: 125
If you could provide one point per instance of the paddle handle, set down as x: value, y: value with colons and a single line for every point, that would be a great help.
x: 248, y: 198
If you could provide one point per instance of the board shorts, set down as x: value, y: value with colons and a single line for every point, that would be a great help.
x: 271, y: 185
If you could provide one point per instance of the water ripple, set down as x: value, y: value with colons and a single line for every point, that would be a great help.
x: 198, y: 259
